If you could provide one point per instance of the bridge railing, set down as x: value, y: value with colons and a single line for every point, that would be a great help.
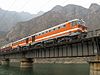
x: 93, y: 33
x: 90, y: 45
x: 78, y: 48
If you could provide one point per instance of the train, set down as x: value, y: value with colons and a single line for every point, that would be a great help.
x: 73, y: 28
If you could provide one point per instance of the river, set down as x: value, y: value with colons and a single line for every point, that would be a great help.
x: 47, y: 69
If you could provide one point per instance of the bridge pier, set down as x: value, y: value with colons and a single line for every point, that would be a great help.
x: 95, y: 66
x: 5, y: 62
x: 26, y: 63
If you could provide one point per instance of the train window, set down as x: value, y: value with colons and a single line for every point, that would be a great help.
x: 42, y: 32
x: 54, y: 29
x: 49, y: 30
x: 33, y: 38
x: 46, y: 31
x: 74, y: 23
x: 27, y: 40
x: 79, y: 22
x: 59, y: 27
x: 63, y: 26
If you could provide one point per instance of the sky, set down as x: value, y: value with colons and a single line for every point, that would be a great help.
x: 34, y: 6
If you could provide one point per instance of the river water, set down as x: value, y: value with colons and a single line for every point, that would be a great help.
x: 47, y: 69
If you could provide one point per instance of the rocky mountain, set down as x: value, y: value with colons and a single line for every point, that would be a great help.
x: 8, y: 19
x: 56, y: 16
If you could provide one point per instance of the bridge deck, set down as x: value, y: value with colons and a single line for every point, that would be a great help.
x: 89, y: 46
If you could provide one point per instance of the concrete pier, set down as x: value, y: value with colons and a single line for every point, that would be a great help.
x: 5, y: 62
x: 26, y: 63
x: 95, y: 66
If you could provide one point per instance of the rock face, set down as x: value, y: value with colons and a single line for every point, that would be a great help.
x: 56, y: 16
x: 8, y: 19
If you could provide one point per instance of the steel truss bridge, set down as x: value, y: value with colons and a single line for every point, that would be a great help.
x: 89, y: 46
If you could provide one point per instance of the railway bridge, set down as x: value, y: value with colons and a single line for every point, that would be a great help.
x: 86, y: 47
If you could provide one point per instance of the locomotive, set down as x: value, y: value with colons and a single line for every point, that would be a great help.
x: 71, y: 29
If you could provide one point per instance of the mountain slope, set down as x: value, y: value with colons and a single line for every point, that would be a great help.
x: 56, y: 16
x: 8, y: 19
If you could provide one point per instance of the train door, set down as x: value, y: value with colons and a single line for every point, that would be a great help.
x: 27, y: 40
x: 33, y: 39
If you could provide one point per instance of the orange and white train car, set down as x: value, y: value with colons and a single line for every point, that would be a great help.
x: 6, y: 47
x: 70, y: 28
x: 22, y: 42
x: 73, y: 28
